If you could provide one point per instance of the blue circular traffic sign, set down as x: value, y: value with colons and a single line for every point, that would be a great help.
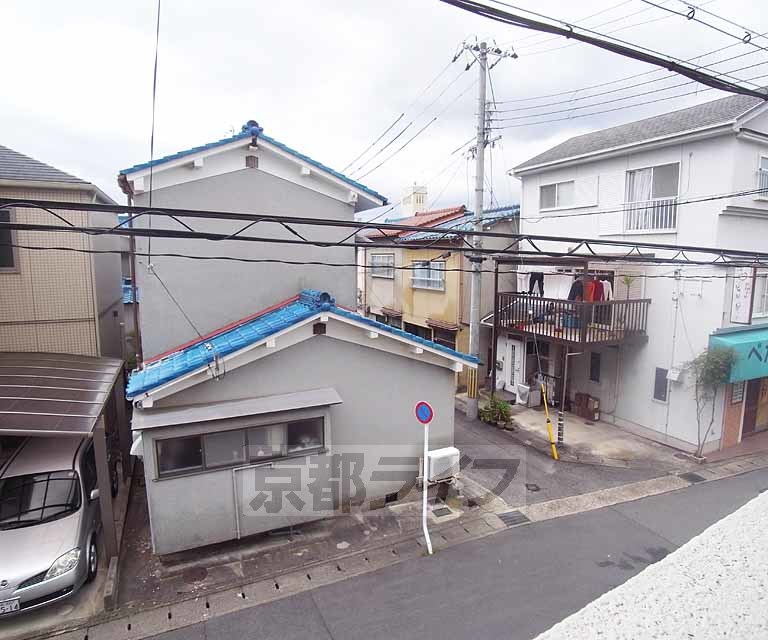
x: 424, y: 412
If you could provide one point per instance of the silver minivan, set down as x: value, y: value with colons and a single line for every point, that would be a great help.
x: 49, y: 522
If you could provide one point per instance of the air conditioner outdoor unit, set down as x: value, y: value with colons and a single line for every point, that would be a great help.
x: 442, y: 464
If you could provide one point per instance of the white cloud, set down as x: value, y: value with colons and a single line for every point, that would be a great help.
x: 323, y: 77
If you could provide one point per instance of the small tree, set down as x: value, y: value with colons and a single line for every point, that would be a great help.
x: 711, y: 369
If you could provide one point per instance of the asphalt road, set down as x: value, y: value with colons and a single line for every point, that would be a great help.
x: 538, y: 477
x: 514, y: 584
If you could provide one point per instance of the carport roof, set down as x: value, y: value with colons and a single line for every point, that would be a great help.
x: 46, y: 394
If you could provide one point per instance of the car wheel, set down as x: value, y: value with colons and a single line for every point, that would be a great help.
x: 92, y: 559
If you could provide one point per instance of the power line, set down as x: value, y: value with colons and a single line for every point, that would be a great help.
x: 375, y: 142
x: 699, y: 7
x: 575, y: 244
x: 584, y: 19
x: 392, y: 155
x: 613, y: 100
x: 597, y: 39
x: 633, y: 76
x: 619, y: 89
x: 529, y: 54
x: 154, y: 101
x: 691, y: 16
x: 619, y: 108
x: 402, y: 131
x: 369, y: 267
x: 448, y: 106
x: 284, y: 221
x: 402, y: 115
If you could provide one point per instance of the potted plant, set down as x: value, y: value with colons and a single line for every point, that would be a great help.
x: 498, y: 412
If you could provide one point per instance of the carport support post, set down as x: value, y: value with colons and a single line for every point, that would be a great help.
x: 123, y: 428
x: 105, y: 495
x: 494, y: 338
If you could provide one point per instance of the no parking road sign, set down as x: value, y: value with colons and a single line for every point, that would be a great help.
x: 424, y: 412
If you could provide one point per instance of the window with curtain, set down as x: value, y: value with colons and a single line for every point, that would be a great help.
x: 651, y: 198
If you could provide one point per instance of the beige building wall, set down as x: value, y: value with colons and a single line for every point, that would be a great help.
x: 47, y: 301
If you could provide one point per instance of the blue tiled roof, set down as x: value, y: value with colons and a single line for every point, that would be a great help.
x: 490, y: 217
x: 245, y: 135
x: 306, y: 305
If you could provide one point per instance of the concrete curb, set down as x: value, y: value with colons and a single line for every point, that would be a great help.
x: 190, y: 611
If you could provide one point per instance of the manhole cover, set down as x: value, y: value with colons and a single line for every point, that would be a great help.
x: 532, y: 487
x: 512, y: 518
x: 441, y: 511
x: 195, y: 574
x: 692, y: 477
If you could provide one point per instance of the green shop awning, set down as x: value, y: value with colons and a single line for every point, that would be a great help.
x: 751, y: 347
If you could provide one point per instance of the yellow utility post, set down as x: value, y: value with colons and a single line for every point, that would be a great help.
x: 549, y: 423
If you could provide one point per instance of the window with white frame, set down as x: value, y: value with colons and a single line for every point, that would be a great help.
x: 760, y: 304
x: 651, y: 198
x: 762, y: 178
x: 557, y: 195
x: 428, y: 274
x: 383, y: 265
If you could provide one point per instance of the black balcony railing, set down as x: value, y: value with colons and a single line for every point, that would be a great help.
x: 608, y: 322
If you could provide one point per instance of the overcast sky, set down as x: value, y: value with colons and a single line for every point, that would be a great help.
x: 325, y: 77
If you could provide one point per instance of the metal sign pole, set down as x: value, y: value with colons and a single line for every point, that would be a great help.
x: 425, y: 487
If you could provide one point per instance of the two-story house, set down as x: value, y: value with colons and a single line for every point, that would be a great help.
x: 426, y: 291
x: 66, y: 301
x: 632, y: 329
x: 249, y: 172
x: 257, y: 373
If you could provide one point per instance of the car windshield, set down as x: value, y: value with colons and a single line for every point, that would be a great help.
x: 39, y: 497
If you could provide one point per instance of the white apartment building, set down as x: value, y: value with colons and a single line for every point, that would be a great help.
x: 635, y: 181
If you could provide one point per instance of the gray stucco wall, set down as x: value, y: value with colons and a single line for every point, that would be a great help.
x: 379, y: 391
x: 216, y: 292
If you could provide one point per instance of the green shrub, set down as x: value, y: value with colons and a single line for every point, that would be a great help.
x: 497, y: 411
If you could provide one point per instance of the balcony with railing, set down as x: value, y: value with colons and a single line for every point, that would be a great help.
x: 649, y: 216
x: 571, y: 322
x: 762, y: 184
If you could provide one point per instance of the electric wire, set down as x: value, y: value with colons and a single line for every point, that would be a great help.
x: 568, y: 31
x: 691, y: 16
x: 628, y: 87
x: 619, y: 108
x: 152, y: 133
x: 636, y: 75
x: 617, y: 46
x: 368, y: 267
x: 614, y: 100
x: 364, y: 164
x: 699, y: 7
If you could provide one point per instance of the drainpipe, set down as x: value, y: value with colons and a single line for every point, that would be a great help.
x: 134, y: 290
x: 676, y: 300
x: 494, y: 333
x: 561, y: 421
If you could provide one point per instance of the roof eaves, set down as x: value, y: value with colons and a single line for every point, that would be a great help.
x: 608, y: 151
x: 247, y: 135
x: 197, y: 356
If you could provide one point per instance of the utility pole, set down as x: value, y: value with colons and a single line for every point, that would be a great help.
x: 480, y: 51
x: 477, y: 241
